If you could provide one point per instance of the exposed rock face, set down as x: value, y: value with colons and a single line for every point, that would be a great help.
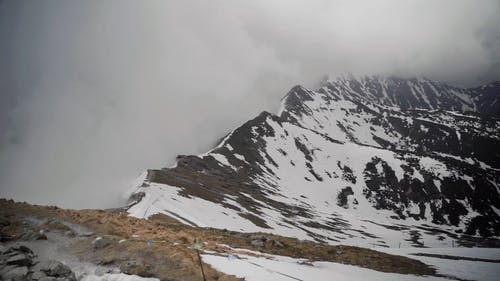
x: 15, y: 273
x: 32, y: 236
x: 487, y: 99
x: 361, y: 160
x: 18, y: 263
x: 19, y: 260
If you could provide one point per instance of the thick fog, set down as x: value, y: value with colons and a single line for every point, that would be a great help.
x: 94, y: 92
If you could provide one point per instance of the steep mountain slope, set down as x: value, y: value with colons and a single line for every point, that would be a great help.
x: 402, y: 93
x: 487, y: 99
x: 360, y: 161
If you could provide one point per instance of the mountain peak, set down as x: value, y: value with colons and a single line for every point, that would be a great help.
x: 403, y: 93
x: 351, y: 163
x: 295, y: 98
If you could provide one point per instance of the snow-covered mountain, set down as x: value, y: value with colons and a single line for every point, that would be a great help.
x: 486, y: 98
x: 362, y: 161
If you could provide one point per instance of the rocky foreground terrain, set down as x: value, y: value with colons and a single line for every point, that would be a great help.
x: 42, y: 243
x: 19, y: 263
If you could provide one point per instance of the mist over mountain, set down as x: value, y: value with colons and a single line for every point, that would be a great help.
x: 93, y: 93
x: 257, y: 140
x: 361, y: 160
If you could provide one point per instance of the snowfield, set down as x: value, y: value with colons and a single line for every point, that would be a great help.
x: 277, y: 268
x: 117, y: 277
x: 463, y: 269
x: 343, y: 165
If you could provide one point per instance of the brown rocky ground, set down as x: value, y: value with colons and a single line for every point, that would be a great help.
x: 171, y: 256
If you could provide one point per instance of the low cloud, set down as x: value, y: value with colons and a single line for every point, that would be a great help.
x: 95, y: 92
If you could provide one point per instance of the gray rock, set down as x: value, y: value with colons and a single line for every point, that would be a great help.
x: 258, y: 237
x: 47, y: 278
x: 70, y: 233
x: 37, y: 275
x: 5, y: 268
x: 59, y: 269
x: 19, y: 248
x: 41, y: 266
x: 101, y: 243
x: 102, y: 270
x: 257, y: 243
x: 2, y: 249
x: 277, y: 243
x: 53, y: 268
x: 4, y: 237
x: 4, y: 258
x: 87, y: 234
x: 16, y: 273
x: 20, y: 260
x: 33, y: 236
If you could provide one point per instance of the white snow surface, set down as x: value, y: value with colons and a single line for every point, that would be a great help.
x: 463, y: 269
x: 315, y: 183
x: 253, y: 265
x: 320, y: 197
x: 281, y: 268
x: 117, y: 277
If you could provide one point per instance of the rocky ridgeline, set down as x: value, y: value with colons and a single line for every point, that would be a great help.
x: 19, y: 263
x: 358, y: 161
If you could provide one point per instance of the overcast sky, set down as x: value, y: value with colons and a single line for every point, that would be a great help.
x: 94, y: 92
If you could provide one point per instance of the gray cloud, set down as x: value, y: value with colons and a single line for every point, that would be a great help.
x: 94, y: 92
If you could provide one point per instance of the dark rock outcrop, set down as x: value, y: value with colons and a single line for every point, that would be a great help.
x: 18, y: 263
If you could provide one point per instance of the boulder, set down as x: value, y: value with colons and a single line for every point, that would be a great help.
x: 41, y: 266
x: 58, y: 269
x: 37, y: 275
x: 55, y: 225
x: 257, y: 243
x: 53, y: 268
x: 19, y: 248
x: 16, y: 273
x: 101, y: 242
x: 5, y: 268
x: 4, y: 237
x: 33, y: 236
x: 20, y: 260
x: 70, y: 233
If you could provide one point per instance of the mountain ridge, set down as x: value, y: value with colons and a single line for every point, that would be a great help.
x: 336, y: 167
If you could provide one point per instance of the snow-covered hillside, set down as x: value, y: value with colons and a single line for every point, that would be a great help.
x: 361, y: 161
x: 453, y: 264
